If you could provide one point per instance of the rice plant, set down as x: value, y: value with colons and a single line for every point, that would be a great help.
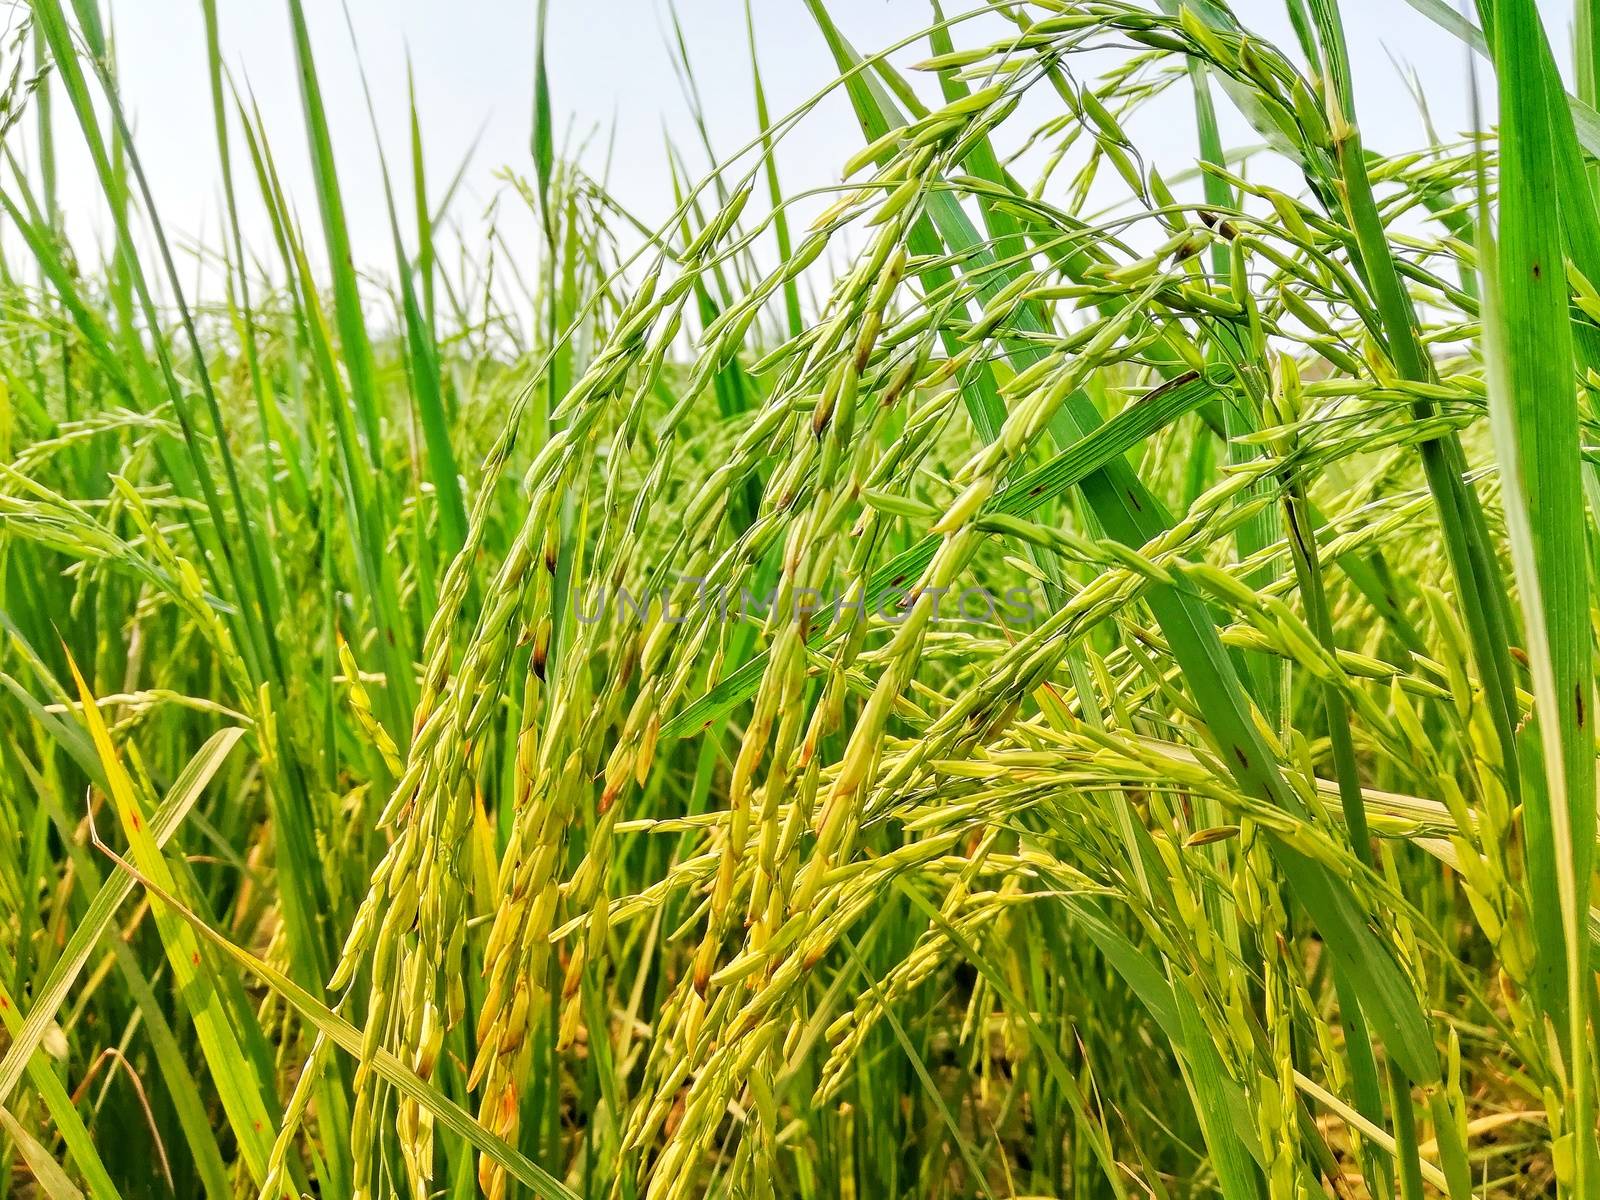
x: 1060, y: 677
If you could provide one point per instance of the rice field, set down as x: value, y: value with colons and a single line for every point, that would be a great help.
x: 1030, y: 672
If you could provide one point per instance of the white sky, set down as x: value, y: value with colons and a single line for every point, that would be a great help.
x: 611, y: 71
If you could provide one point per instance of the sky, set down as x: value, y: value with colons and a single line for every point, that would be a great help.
x: 614, y: 88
